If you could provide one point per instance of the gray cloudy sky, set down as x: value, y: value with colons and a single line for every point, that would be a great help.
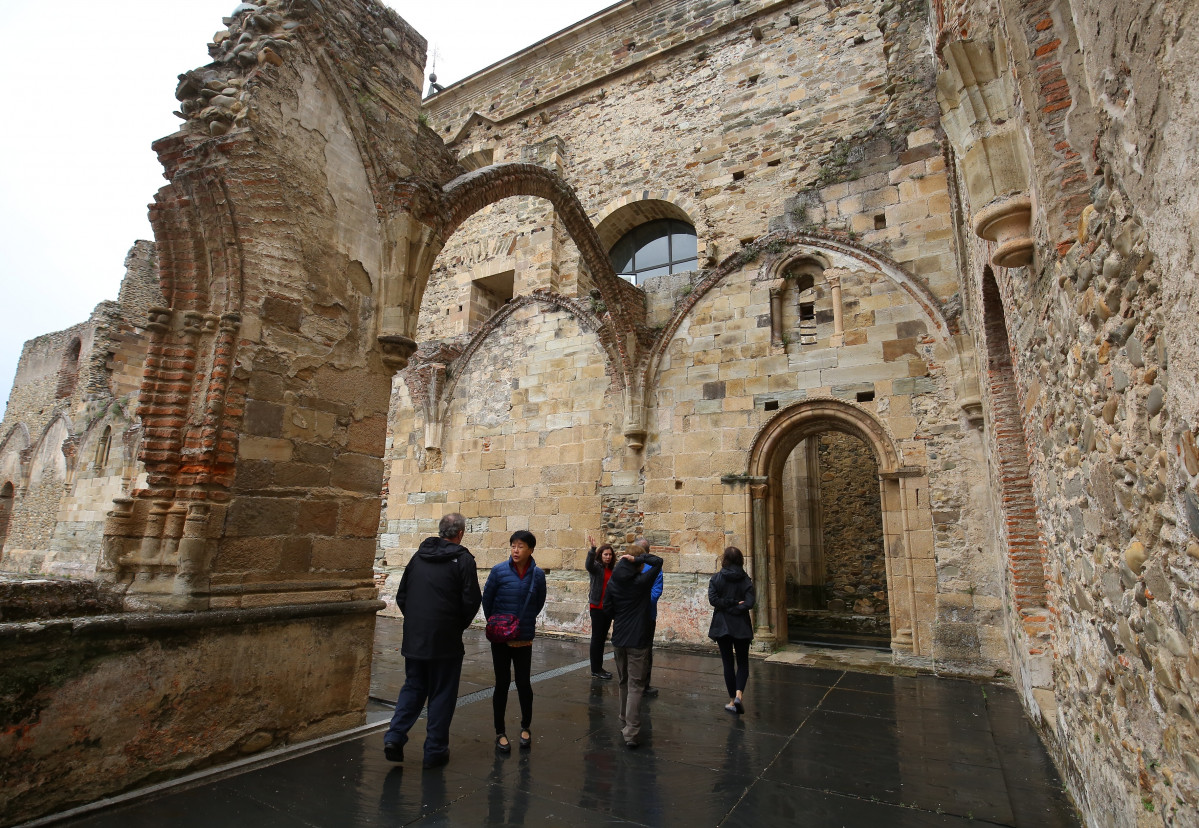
x: 90, y: 84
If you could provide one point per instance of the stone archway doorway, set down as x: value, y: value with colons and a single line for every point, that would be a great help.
x: 832, y: 553
x: 903, y: 510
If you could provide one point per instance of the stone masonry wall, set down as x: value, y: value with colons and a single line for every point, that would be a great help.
x: 1102, y: 331
x: 852, y: 521
x: 792, y: 117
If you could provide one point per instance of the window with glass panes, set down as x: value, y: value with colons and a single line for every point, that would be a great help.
x: 655, y: 248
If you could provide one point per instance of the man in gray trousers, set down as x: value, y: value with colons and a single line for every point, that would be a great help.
x: 632, y: 634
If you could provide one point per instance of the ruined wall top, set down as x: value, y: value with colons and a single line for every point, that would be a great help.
x: 627, y: 37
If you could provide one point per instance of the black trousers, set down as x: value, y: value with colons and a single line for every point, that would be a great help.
x: 437, y: 681
x: 734, y: 681
x: 507, y: 660
x: 601, y: 622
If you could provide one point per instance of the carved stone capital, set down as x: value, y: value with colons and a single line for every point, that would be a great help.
x: 395, y: 350
x: 1008, y: 223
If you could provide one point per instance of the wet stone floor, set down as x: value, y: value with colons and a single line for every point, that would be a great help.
x: 816, y: 747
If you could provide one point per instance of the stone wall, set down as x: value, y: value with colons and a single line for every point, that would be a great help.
x: 149, y: 697
x: 852, y: 524
x: 1100, y: 394
x: 807, y: 128
x: 65, y: 483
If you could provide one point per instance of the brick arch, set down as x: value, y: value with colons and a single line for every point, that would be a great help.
x: 911, y: 614
x: 470, y: 193
x: 1005, y: 428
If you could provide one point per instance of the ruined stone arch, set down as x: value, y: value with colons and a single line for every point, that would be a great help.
x: 55, y: 450
x: 624, y: 303
x: 793, y: 247
x: 14, y: 456
x: 911, y: 617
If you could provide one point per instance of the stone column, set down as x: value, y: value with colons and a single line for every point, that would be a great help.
x: 758, y: 494
x: 834, y: 282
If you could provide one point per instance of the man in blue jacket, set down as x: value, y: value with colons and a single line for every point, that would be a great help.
x: 439, y: 596
x: 655, y: 593
x: 632, y: 633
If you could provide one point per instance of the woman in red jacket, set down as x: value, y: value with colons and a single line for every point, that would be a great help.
x: 599, y: 565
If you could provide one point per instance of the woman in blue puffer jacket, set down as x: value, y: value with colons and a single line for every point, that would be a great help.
x: 515, y: 587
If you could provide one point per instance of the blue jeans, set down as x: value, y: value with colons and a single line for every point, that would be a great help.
x: 435, y: 679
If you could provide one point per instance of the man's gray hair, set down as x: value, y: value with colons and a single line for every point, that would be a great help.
x: 452, y: 525
x: 641, y: 543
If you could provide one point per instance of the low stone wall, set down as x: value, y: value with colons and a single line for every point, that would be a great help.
x: 92, y: 706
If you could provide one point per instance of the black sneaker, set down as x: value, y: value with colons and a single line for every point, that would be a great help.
x: 393, y: 752
x: 601, y: 674
x: 651, y: 692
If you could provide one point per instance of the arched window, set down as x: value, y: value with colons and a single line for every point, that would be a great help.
x: 655, y: 248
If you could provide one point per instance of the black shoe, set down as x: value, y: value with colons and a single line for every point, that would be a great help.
x: 526, y: 741
x: 601, y: 674
x: 504, y: 746
x: 437, y: 761
x: 393, y: 752
x: 650, y: 693
x: 631, y: 745
x: 737, y: 704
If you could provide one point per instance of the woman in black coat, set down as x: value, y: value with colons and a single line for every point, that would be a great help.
x: 731, y: 593
x: 599, y: 566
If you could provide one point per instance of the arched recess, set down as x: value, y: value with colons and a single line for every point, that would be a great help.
x: 7, y: 493
x: 68, y: 370
x: 52, y: 458
x: 14, y: 456
x: 808, y: 249
x: 900, y: 494
x: 1020, y: 527
x: 432, y: 384
x: 623, y: 214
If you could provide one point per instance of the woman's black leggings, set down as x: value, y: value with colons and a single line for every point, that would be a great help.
x: 601, y: 622
x: 503, y: 658
x: 734, y: 680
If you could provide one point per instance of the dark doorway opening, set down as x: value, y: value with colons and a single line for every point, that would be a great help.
x: 835, y: 562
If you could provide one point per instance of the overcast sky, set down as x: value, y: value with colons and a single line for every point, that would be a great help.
x: 90, y: 84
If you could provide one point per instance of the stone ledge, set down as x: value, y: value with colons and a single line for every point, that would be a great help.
x: 170, y: 621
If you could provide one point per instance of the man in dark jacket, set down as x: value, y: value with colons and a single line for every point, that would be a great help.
x: 439, y: 596
x: 632, y: 633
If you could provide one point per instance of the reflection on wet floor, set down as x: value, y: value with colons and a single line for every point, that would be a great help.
x: 816, y: 747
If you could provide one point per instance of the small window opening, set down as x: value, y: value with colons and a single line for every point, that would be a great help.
x: 774, y: 163
x: 880, y: 221
x: 740, y: 174
x: 865, y: 396
x: 487, y: 295
x: 771, y: 405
